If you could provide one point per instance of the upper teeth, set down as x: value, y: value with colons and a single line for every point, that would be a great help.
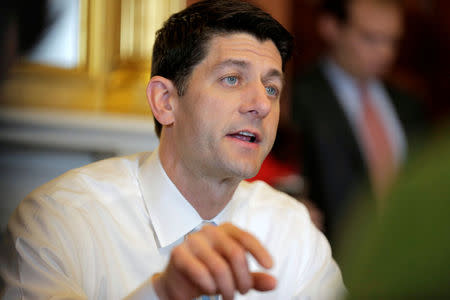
x: 246, y: 133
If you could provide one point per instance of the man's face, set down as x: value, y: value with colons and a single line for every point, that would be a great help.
x: 366, y: 44
x: 225, y: 123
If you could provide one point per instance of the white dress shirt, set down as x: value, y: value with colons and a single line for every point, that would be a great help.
x: 101, y: 232
x: 348, y: 95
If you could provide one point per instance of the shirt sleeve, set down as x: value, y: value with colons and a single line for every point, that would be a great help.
x: 36, y: 262
x: 40, y: 255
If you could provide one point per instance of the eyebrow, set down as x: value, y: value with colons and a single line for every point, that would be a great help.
x: 243, y: 65
x: 275, y: 73
x: 232, y: 63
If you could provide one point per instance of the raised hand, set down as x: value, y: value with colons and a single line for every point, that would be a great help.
x: 213, y: 261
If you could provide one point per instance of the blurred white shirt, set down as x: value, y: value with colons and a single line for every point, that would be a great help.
x: 101, y: 232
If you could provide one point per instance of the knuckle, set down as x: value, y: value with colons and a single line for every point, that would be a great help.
x: 208, y: 229
x: 204, y: 281
x: 237, y: 254
x: 246, y: 235
x: 177, y: 256
x: 224, y: 278
x: 246, y: 282
x: 227, y: 225
x: 176, y: 295
x: 209, y: 289
x: 244, y: 288
x: 192, y: 238
x: 176, y: 251
x: 220, y: 269
x: 197, y: 244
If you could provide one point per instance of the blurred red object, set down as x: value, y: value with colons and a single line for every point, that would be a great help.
x: 281, y: 175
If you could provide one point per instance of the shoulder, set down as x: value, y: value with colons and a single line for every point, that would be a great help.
x: 282, y: 224
x: 410, y: 109
x: 274, y: 204
x: 404, y: 100
x: 79, y: 185
x: 103, y: 187
x: 77, y: 202
x: 310, y: 92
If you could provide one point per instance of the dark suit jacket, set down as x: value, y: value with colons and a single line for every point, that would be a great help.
x: 333, y: 165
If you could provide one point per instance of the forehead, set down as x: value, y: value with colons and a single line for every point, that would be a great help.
x: 376, y: 14
x: 243, y: 46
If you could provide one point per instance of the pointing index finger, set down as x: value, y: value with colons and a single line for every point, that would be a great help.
x: 250, y: 243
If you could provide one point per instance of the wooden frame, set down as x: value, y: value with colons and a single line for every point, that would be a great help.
x: 116, y: 37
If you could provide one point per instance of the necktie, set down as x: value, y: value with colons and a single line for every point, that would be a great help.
x: 204, y: 297
x: 377, y: 146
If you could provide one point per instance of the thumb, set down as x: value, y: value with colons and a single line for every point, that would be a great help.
x: 263, y: 281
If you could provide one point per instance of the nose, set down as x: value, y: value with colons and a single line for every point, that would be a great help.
x: 256, y: 103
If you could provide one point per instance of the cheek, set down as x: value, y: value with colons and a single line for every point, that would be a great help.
x: 207, y: 121
x: 189, y: 124
x: 358, y: 50
x: 272, y: 120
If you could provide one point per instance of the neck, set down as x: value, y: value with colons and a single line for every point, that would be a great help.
x: 207, y: 195
x: 359, y: 78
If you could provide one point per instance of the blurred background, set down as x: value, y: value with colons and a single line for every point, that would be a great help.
x: 77, y: 94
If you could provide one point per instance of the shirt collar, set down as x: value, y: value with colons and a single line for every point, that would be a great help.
x: 341, y: 77
x: 346, y: 88
x: 171, y: 215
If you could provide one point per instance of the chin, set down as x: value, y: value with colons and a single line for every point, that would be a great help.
x: 246, y: 171
x: 377, y: 71
x: 250, y: 175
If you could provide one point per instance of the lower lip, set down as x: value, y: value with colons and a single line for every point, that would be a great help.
x: 243, y: 143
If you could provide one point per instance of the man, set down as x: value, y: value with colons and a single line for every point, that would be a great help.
x: 132, y: 227
x: 356, y: 129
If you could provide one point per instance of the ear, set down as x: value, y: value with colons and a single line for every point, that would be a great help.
x: 328, y: 28
x: 160, y: 96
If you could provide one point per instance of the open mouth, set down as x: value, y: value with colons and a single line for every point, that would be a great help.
x: 245, y: 136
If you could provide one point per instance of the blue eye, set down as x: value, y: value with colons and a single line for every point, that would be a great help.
x: 231, y: 80
x: 271, y: 91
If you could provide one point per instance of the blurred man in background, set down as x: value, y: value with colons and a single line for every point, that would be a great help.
x: 356, y: 129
